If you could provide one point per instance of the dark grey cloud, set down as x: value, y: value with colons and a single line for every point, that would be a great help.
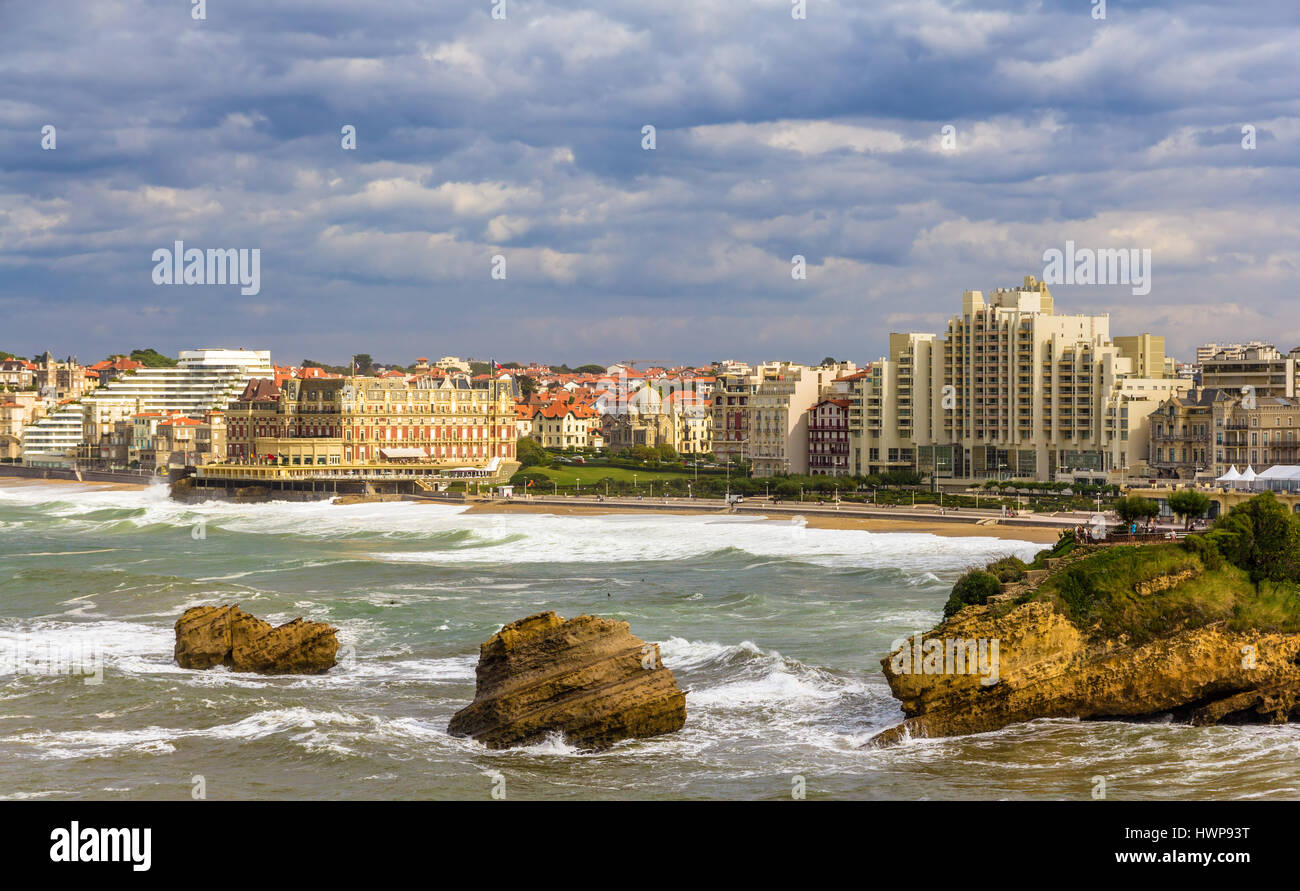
x: 521, y: 137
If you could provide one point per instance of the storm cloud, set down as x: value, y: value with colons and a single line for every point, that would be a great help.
x: 775, y: 136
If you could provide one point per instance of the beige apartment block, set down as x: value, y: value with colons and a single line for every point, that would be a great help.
x: 778, y: 414
x: 1200, y: 436
x: 1208, y: 351
x: 17, y: 410
x: 1015, y: 390
x: 896, y: 406
x: 1256, y: 435
x: 1258, y: 366
x: 1148, y: 354
x: 1182, y: 432
x: 736, y: 386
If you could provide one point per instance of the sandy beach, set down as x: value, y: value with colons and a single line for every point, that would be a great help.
x: 14, y: 482
x: 1042, y: 534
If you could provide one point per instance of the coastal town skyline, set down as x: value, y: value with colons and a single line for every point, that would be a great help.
x: 1011, y: 388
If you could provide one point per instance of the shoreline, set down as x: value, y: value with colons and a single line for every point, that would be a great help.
x: 813, y: 518
x: 20, y: 482
x: 917, y: 524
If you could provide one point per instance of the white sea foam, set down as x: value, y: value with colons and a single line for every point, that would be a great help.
x: 496, y: 538
x: 118, y: 642
x: 66, y: 744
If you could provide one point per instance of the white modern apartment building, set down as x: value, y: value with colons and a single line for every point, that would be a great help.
x: 54, y: 439
x: 202, y: 380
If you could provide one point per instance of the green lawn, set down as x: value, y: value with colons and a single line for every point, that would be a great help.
x: 571, y: 474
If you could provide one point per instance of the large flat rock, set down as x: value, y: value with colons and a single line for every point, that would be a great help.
x: 588, y: 678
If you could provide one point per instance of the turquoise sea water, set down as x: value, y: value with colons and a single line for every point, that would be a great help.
x: 777, y: 630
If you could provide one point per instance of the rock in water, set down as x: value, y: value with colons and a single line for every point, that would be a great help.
x: 588, y: 678
x: 226, y: 635
x: 955, y: 681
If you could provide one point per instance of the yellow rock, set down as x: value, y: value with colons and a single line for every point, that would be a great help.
x: 589, y: 679
x: 226, y: 635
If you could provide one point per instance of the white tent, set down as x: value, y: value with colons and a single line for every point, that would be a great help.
x: 1249, y: 474
x: 1280, y: 478
x: 1231, y: 476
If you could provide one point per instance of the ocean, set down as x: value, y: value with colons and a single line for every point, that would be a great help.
x: 776, y: 629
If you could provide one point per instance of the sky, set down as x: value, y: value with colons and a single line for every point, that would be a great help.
x: 512, y: 129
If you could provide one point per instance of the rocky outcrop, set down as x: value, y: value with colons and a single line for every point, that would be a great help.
x: 1165, y: 582
x: 207, y: 636
x: 1043, y: 666
x: 588, y: 678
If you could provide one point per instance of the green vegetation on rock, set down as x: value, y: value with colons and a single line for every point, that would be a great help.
x: 1262, y: 537
x: 1008, y: 569
x: 973, y: 588
x: 1243, y: 574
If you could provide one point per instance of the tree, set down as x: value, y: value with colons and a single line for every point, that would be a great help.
x: 527, y: 385
x: 152, y: 359
x: 1188, y: 504
x: 829, y: 360
x: 666, y: 452
x: 1262, y: 537
x: 590, y: 369
x: 1135, y: 509
x: 363, y: 363
x: 786, y: 489
x: 531, y: 454
x: 328, y: 369
x: 526, y: 480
